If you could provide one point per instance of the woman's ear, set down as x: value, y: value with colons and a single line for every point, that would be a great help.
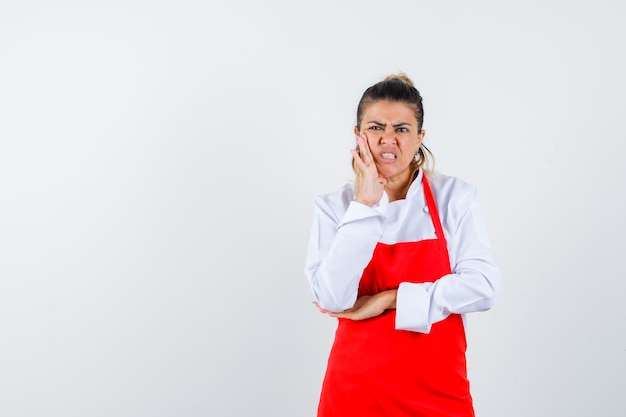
x: 420, y: 137
x: 356, y: 131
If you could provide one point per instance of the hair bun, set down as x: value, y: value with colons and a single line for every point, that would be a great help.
x: 400, y: 77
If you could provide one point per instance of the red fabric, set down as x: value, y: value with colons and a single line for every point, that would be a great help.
x: 375, y: 370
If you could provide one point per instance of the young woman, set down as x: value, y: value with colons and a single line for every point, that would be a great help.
x: 399, y: 256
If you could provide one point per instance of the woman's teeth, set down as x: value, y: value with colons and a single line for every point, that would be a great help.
x: 388, y: 155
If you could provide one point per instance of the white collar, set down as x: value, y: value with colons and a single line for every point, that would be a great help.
x: 415, y: 187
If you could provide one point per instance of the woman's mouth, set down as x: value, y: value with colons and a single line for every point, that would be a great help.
x: 388, y: 155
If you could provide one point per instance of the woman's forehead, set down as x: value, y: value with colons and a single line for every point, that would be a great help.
x: 389, y: 111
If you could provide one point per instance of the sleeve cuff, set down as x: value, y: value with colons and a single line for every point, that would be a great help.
x: 358, y: 211
x: 412, y: 307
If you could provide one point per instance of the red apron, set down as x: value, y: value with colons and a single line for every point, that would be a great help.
x: 376, y: 370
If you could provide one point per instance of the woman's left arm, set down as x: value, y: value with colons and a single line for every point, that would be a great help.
x: 475, y: 279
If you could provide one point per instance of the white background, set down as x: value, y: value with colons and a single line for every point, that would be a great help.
x: 159, y: 161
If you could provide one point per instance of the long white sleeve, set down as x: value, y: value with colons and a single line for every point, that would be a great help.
x: 339, y: 235
x: 475, y: 280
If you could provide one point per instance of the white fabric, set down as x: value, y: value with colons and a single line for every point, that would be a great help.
x: 344, y: 234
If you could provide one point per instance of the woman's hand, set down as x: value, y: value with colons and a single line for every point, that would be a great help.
x: 369, y: 186
x: 366, y: 307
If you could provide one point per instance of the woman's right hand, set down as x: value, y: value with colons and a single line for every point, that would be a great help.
x: 366, y: 306
x: 369, y: 185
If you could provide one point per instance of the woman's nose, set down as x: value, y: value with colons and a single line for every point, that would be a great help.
x: 388, y: 137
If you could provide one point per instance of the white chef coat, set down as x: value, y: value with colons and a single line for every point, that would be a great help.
x: 344, y: 235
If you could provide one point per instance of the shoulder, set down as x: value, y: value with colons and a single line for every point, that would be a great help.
x: 336, y: 201
x: 450, y: 191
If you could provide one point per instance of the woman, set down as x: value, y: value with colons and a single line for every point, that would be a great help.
x: 398, y: 257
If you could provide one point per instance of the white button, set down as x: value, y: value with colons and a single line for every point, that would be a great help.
x: 426, y: 209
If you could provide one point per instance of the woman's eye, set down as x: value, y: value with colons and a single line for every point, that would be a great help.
x: 374, y: 128
x: 403, y: 129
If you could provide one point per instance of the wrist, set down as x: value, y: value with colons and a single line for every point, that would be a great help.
x: 364, y: 202
x: 391, y: 298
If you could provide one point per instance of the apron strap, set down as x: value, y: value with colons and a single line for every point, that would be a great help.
x: 432, y: 209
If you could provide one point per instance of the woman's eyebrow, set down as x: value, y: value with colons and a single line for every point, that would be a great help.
x: 401, y: 124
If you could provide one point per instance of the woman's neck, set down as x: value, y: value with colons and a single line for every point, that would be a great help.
x: 398, y: 188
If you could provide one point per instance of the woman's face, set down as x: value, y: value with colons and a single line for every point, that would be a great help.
x: 393, y: 137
